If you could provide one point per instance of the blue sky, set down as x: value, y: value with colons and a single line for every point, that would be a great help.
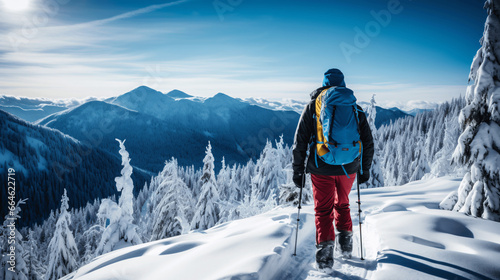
x: 409, y: 53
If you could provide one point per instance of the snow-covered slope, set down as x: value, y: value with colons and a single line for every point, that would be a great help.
x: 405, y: 236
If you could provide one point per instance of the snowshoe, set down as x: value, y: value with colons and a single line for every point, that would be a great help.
x: 324, y: 256
x: 345, y: 243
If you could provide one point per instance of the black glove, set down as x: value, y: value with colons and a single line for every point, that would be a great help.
x: 363, y: 178
x: 298, y: 179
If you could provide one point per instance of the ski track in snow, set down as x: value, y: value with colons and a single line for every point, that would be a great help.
x: 302, y: 266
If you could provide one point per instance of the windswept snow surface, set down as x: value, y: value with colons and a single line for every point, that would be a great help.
x: 405, y: 236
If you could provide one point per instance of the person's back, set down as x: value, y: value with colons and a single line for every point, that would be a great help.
x: 331, y: 180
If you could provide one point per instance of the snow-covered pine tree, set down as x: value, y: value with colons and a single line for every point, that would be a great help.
x: 121, y: 230
x: 268, y: 176
x: 62, y: 248
x: 269, y: 173
x: 174, y: 209
x: 91, y: 238
x: 244, y: 175
x: 376, y: 176
x: 419, y: 166
x: 230, y: 193
x: 289, y: 193
x: 20, y: 268
x: 207, y: 209
x: 35, y: 268
x: 223, y: 180
x: 479, y: 144
x: 443, y: 165
x: 191, y: 177
x: 140, y: 201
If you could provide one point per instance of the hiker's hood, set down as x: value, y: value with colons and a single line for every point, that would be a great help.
x: 334, y: 77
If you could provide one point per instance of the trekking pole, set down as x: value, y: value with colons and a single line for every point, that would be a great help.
x: 298, y: 214
x: 359, y: 215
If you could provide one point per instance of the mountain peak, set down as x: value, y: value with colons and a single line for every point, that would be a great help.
x: 142, y: 97
x: 221, y: 99
x: 222, y: 96
x: 178, y: 94
x: 143, y: 90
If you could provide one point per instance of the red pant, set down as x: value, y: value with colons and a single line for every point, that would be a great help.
x: 331, y: 202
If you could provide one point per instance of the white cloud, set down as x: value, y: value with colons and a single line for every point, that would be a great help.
x: 408, y: 96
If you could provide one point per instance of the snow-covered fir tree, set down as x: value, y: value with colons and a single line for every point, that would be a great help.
x: 174, y: 210
x: 479, y: 144
x: 376, y: 176
x: 289, y: 193
x: 207, y: 209
x: 90, y: 238
x: 419, y: 166
x: 269, y: 172
x: 121, y: 231
x: 230, y: 193
x: 223, y: 180
x: 16, y: 269
x: 35, y: 267
x: 62, y: 250
x: 140, y: 202
x: 443, y: 164
x: 410, y: 146
x: 191, y: 177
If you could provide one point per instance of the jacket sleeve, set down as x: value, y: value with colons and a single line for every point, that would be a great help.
x: 367, y: 140
x: 302, y: 139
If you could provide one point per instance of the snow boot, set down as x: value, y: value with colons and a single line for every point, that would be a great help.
x: 345, y: 243
x: 324, y: 255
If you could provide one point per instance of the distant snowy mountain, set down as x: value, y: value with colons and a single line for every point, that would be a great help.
x: 46, y: 161
x: 284, y: 104
x: 405, y: 236
x: 29, y: 109
x: 414, y: 112
x: 158, y: 127
x: 33, y: 109
x: 36, y: 109
x: 386, y: 116
x: 178, y: 94
x: 150, y: 140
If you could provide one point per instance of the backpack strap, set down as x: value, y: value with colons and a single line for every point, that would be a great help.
x: 345, y: 172
x: 331, y: 123
x: 321, y: 143
x: 357, y: 117
x: 314, y: 141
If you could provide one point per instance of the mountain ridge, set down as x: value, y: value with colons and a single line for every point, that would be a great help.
x: 181, y: 129
x: 47, y: 159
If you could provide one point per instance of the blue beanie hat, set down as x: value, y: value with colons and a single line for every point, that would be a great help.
x: 334, y: 77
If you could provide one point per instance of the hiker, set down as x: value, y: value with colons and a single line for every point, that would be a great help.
x: 334, y: 161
